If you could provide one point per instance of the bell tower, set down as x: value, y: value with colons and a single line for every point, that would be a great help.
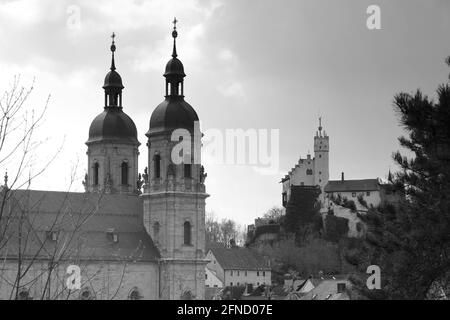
x: 174, y: 191
x: 321, y: 151
x: 112, y: 144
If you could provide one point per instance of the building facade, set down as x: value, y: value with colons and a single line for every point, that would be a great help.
x: 131, y: 235
x: 239, y: 266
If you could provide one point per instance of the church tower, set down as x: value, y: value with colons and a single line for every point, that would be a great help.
x: 112, y: 144
x: 321, y: 151
x: 174, y: 191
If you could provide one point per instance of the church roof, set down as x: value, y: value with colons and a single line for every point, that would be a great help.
x: 172, y: 113
x: 84, y: 224
x: 239, y: 259
x: 352, y: 185
x: 113, y: 125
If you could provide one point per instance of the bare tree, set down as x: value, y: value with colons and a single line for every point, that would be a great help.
x: 35, y: 246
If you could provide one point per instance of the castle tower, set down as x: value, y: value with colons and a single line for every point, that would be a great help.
x: 112, y: 144
x: 321, y: 151
x: 174, y: 192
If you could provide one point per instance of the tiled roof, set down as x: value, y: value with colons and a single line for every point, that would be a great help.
x: 239, y: 259
x: 327, y: 290
x: 352, y: 185
x: 83, y: 221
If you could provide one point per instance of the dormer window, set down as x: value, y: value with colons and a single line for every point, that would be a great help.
x: 113, y: 235
x: 52, y: 235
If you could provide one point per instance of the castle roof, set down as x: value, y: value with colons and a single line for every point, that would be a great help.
x: 352, y: 185
x: 239, y: 259
x: 84, y: 224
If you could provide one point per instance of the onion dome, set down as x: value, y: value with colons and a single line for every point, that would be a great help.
x: 113, y: 125
x: 174, y: 112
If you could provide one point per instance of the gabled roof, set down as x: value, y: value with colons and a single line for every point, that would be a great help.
x: 327, y: 290
x: 352, y: 185
x: 239, y: 259
x: 84, y: 223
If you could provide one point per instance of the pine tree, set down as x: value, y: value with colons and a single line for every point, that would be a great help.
x: 411, y: 242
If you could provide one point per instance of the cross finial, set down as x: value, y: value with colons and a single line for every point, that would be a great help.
x: 174, y: 23
x: 174, y: 35
x: 320, y: 123
x: 113, y: 48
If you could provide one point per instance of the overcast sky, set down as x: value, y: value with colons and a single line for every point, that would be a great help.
x: 250, y: 64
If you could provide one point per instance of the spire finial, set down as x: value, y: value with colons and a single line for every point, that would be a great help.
x: 320, y: 124
x: 113, y: 48
x: 6, y: 178
x: 174, y: 35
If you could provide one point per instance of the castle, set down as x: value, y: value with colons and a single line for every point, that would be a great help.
x: 359, y: 194
x: 310, y: 171
x: 130, y: 235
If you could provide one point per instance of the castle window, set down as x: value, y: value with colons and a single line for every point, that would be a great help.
x: 368, y: 193
x: 309, y: 172
x: 284, y: 198
x: 353, y: 194
x: 157, y: 164
x: 245, y: 272
x: 124, y: 167
x: 320, y: 156
x: 187, y: 233
x: 135, y: 294
x: 187, y: 170
x: 96, y: 167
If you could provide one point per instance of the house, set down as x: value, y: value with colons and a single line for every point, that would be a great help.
x: 211, y: 279
x: 238, y: 266
x: 329, y: 289
x: 367, y: 189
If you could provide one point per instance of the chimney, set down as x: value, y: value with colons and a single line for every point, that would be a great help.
x: 342, y: 176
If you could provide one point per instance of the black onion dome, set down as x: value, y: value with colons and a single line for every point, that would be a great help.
x: 172, y: 113
x: 174, y: 68
x: 113, y: 79
x: 113, y: 125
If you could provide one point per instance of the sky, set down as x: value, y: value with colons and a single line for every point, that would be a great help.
x: 254, y: 64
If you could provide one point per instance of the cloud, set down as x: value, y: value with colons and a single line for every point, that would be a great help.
x: 233, y: 90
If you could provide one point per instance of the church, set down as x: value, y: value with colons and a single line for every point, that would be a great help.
x: 129, y: 235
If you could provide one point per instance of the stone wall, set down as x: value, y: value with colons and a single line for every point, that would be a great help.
x: 105, y: 280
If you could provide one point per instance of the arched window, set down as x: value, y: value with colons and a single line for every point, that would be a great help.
x: 157, y: 164
x: 135, y: 294
x: 87, y: 294
x: 187, y: 233
x: 124, y: 167
x: 156, y: 232
x: 187, y: 170
x: 96, y: 167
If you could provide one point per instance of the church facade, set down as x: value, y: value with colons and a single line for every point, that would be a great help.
x: 129, y: 235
